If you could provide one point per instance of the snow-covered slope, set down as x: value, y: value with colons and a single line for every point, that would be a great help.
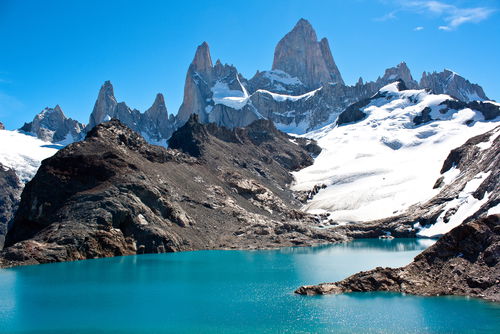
x: 24, y: 153
x: 384, y: 163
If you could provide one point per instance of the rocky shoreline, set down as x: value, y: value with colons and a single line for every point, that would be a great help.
x: 464, y: 262
x: 114, y: 194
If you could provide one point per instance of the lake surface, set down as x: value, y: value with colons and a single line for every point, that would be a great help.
x: 229, y: 292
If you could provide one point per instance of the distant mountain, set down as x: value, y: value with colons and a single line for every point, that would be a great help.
x: 303, y: 91
x: 154, y: 124
x: 53, y: 126
x: 300, y: 55
x: 385, y: 153
x: 448, y: 82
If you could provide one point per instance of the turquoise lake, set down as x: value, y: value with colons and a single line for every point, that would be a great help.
x: 229, y: 292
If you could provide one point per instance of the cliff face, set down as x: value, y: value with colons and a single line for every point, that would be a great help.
x: 10, y: 191
x: 465, y: 262
x: 114, y: 194
x: 53, y: 126
x: 301, y: 55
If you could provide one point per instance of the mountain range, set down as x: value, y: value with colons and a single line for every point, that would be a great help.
x: 290, y: 157
x: 303, y: 91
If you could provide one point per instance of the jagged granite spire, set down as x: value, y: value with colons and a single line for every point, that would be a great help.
x: 155, y: 120
x: 301, y: 55
x: 202, y: 61
x: 104, y: 106
x: 52, y: 125
x: 451, y: 83
x: 194, y: 101
x: 400, y: 72
x: 330, y: 63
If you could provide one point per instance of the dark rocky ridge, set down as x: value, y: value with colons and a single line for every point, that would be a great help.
x: 465, y: 262
x: 114, y: 194
x: 10, y: 191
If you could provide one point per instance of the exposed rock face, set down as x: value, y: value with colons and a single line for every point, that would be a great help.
x: 104, y: 107
x: 465, y: 262
x: 448, y: 82
x: 52, y: 125
x: 2, y: 127
x: 400, y: 72
x: 301, y: 55
x: 154, y: 124
x: 304, y: 90
x: 215, y: 93
x: 10, y: 192
x: 114, y: 194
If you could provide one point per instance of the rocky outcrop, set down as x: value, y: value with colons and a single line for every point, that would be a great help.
x: 114, y: 194
x: 301, y: 55
x: 52, y: 125
x: 215, y: 93
x: 448, y: 82
x: 154, y: 124
x: 402, y: 73
x: 104, y: 107
x: 464, y: 262
x: 10, y: 192
x: 2, y: 127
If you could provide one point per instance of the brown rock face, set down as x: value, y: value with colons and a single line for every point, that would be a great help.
x: 10, y: 191
x: 465, y: 262
x: 114, y: 194
x: 301, y: 55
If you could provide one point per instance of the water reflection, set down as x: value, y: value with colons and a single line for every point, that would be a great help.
x: 226, y: 291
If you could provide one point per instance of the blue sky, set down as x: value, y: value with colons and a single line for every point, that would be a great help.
x: 60, y: 52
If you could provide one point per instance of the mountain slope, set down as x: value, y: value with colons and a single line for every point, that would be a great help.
x: 114, y: 194
x: 390, y: 157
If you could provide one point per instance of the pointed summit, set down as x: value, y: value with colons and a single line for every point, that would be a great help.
x: 52, y: 125
x: 305, y: 30
x: 451, y: 83
x: 330, y: 63
x: 400, y: 72
x: 202, y: 61
x: 301, y: 55
x: 104, y: 105
x: 158, y: 108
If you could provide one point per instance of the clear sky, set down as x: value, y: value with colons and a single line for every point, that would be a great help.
x: 60, y: 52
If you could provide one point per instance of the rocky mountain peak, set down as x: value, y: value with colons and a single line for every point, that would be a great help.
x: 400, y: 72
x: 51, y: 124
x: 304, y: 29
x: 202, y: 61
x: 104, y: 105
x: 451, y: 83
x: 301, y: 55
x: 158, y: 104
